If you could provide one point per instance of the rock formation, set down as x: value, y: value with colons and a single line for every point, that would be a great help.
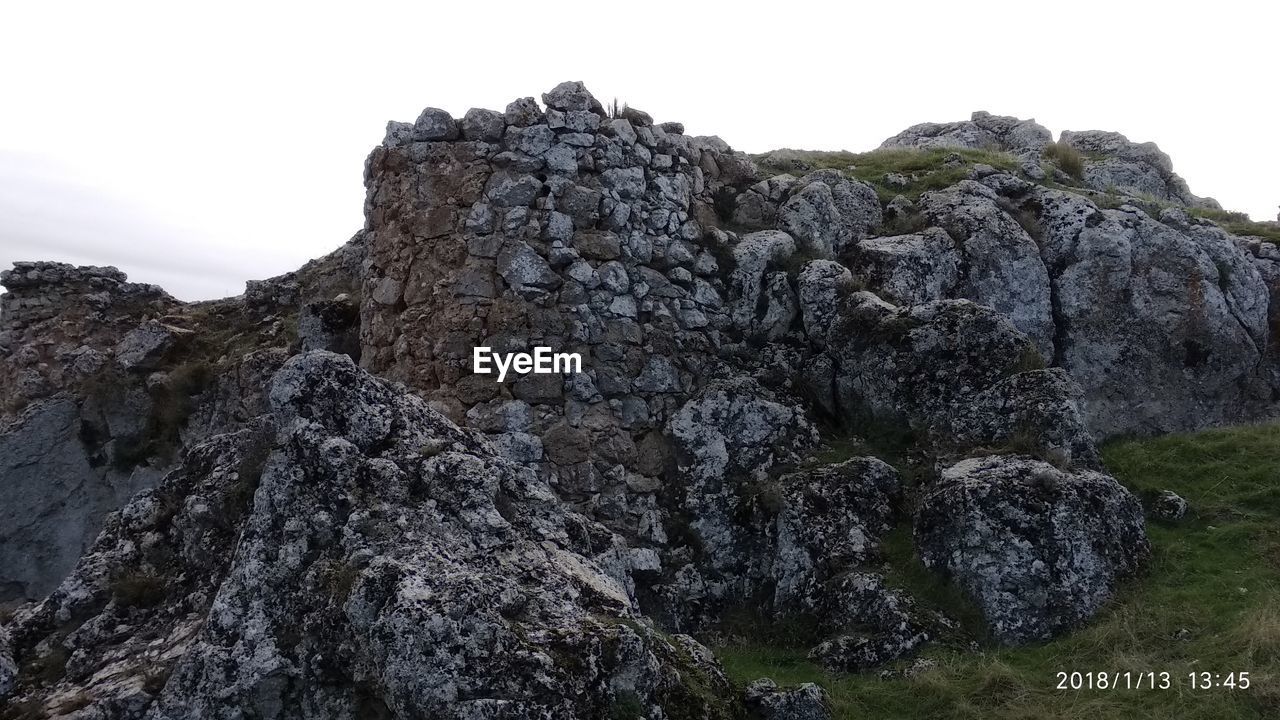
x: 303, y: 502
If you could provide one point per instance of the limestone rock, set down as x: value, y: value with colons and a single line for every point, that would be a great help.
x: 753, y: 256
x: 1002, y: 267
x: 485, y: 583
x: 982, y: 131
x: 910, y: 269
x: 1168, y: 506
x: 435, y: 124
x: 804, y: 702
x: 1114, y: 163
x: 145, y: 347
x: 57, y: 493
x: 332, y: 325
x: 1038, y: 549
x: 822, y: 286
x: 812, y: 218
x: 1123, y: 285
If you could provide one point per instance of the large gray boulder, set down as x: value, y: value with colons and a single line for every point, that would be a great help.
x: 810, y: 216
x: 1040, y: 550
x: 958, y: 374
x: 1164, y: 328
x: 822, y: 286
x: 804, y: 543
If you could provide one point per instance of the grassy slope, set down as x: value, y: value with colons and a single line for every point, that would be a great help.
x: 924, y: 169
x: 1209, y: 602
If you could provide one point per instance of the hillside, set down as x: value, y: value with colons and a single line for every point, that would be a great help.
x: 904, y: 423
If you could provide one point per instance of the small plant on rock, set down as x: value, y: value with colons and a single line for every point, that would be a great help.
x: 1067, y: 158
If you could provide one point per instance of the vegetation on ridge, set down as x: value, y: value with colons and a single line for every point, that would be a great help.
x: 1208, y: 603
x: 923, y: 170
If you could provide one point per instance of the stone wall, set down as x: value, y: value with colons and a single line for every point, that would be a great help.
x: 564, y: 228
x: 58, y: 320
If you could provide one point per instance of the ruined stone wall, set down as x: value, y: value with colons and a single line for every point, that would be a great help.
x: 57, y: 320
x: 562, y: 228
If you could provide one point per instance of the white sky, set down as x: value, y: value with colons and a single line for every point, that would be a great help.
x: 201, y: 145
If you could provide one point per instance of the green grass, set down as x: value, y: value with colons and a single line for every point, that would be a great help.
x: 1238, y: 223
x: 1067, y: 158
x: 1208, y: 602
x: 925, y: 169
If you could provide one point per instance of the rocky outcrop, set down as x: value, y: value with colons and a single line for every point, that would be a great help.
x: 486, y: 599
x: 436, y: 542
x: 1164, y: 328
x: 784, y: 544
x: 983, y: 131
x: 1113, y: 163
x: 58, y: 323
x: 1039, y: 550
x: 1001, y: 266
x: 909, y: 269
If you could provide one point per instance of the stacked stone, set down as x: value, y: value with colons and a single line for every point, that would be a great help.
x: 58, y: 320
x: 563, y: 228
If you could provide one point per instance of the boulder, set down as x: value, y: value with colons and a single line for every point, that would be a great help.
x: 857, y: 203
x: 753, y: 256
x: 1168, y: 506
x: 1000, y: 262
x: 812, y: 218
x: 1113, y: 163
x: 909, y: 269
x: 804, y: 702
x: 146, y: 347
x: 1163, y: 328
x: 1039, y: 550
x: 435, y: 124
x: 822, y: 285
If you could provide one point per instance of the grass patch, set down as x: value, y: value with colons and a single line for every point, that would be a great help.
x: 138, y: 589
x: 1238, y: 223
x: 1209, y: 602
x: 1067, y: 158
x: 932, y: 169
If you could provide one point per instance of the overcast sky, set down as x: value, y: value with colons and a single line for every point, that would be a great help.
x: 201, y: 145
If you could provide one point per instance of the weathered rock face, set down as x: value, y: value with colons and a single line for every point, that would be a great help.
x: 1114, y: 163
x: 138, y: 377
x: 780, y: 543
x: 57, y: 491
x: 1164, y: 329
x: 389, y: 564
x: 909, y: 269
x: 1001, y: 265
x: 1039, y: 550
x: 983, y: 131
